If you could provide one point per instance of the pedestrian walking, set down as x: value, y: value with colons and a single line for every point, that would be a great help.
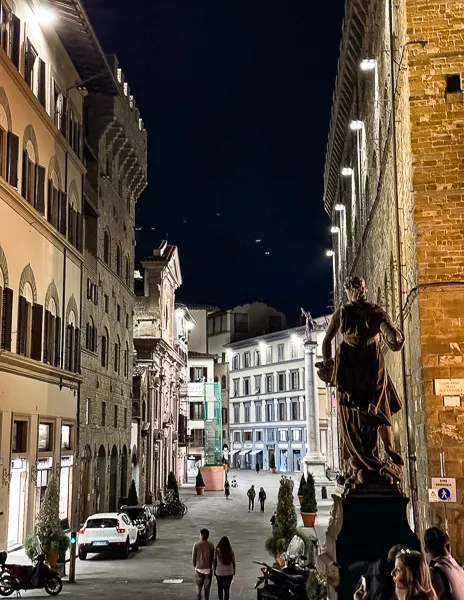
x: 273, y: 520
x: 446, y: 574
x: 251, y: 498
x: 224, y: 567
x: 227, y: 489
x: 202, y: 558
x: 257, y: 467
x: 262, y: 498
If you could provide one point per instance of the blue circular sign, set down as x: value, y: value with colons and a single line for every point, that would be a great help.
x: 444, y: 494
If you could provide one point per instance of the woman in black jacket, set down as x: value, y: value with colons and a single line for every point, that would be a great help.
x: 262, y: 498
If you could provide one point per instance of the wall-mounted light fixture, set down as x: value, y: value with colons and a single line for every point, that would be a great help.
x: 356, y: 125
x: 347, y: 171
x: 339, y: 207
x: 334, y: 229
x: 329, y: 253
x: 368, y: 64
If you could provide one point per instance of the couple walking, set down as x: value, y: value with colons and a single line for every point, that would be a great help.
x: 251, y: 498
x: 209, y: 561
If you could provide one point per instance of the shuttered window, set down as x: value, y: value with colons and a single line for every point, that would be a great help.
x: 39, y: 195
x: 12, y: 154
x: 5, y: 28
x: 23, y: 336
x: 104, y: 352
x: 36, y: 332
x: 117, y: 358
x: 7, y: 318
x: 63, y: 201
x: 69, y: 345
x: 51, y: 342
x: 53, y: 204
x: 42, y: 90
x: 31, y: 57
x: 28, y: 176
x: 3, y: 136
x: 16, y: 40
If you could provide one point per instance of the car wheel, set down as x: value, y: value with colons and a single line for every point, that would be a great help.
x: 155, y: 533
x: 135, y: 545
x: 146, y: 539
x: 82, y: 555
x: 125, y: 550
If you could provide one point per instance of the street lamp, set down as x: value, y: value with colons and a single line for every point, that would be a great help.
x: 347, y: 171
x: 356, y: 125
x: 339, y: 207
x: 44, y: 16
x: 334, y: 229
x: 329, y: 253
x: 368, y: 64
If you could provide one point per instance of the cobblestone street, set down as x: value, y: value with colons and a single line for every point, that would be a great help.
x: 143, y: 574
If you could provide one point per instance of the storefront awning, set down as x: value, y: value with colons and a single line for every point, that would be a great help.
x: 243, y: 452
x: 232, y: 452
x: 255, y: 452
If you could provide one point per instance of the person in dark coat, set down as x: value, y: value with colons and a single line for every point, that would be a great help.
x: 262, y: 498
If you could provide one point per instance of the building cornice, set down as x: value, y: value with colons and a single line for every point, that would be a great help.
x: 351, y: 46
x: 35, y: 369
x: 272, y: 337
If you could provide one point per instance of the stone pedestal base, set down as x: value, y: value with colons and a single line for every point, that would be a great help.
x: 365, y: 523
x: 316, y: 465
x: 214, y: 478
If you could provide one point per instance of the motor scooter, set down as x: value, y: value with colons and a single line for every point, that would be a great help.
x: 14, y: 578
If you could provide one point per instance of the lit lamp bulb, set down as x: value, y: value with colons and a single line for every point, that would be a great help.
x: 347, y: 171
x: 190, y: 326
x: 356, y: 125
x: 339, y: 207
x: 368, y: 64
x: 329, y: 253
x: 45, y: 16
x: 335, y: 229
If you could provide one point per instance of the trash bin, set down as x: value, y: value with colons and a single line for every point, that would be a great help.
x: 324, y: 492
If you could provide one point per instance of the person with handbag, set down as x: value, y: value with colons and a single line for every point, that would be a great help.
x: 224, y: 567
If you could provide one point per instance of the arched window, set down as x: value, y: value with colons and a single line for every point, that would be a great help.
x: 117, y: 355
x: 104, y: 348
x: 30, y: 318
x: 59, y: 109
x: 28, y: 173
x: 6, y: 305
x: 118, y: 260
x: 91, y: 336
x: 52, y: 335
x: 106, y: 248
x: 72, y: 344
x: 126, y: 361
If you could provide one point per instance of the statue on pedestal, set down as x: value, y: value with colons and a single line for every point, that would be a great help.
x: 309, y: 323
x: 367, y: 396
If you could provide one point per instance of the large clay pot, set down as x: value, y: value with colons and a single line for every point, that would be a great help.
x: 308, y: 519
x: 214, y: 477
x: 200, y: 491
x: 52, y: 558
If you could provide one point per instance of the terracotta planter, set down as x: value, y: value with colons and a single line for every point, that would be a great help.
x: 281, y: 560
x: 214, y: 477
x: 52, y: 559
x: 308, y: 519
x: 300, y: 498
x: 200, y: 491
x: 272, y: 469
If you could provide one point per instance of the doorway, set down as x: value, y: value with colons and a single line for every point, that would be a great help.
x: 17, y: 502
x: 100, y: 483
x: 283, y: 461
x: 84, y: 477
x: 123, y: 490
x: 113, y: 479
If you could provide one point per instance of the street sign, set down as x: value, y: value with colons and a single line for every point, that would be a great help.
x: 444, y: 490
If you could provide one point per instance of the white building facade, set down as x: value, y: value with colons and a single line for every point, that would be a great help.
x: 267, y: 408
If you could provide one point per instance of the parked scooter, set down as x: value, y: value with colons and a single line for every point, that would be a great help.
x: 14, y: 578
x: 288, y: 583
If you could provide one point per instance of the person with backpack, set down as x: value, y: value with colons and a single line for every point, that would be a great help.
x: 446, y: 574
x: 251, y: 498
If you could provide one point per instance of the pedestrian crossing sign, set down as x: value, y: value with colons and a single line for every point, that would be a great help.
x: 443, y: 490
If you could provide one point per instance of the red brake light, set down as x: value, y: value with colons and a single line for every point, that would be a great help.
x: 119, y: 530
x: 82, y: 530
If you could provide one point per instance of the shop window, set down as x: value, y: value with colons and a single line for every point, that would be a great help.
x: 247, y: 436
x: 45, y: 437
x: 66, y: 437
x: 19, y: 437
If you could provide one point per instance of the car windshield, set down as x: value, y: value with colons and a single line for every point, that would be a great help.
x: 135, y: 513
x: 101, y: 523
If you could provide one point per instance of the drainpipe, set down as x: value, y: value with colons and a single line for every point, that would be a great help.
x: 410, y: 459
x: 63, y: 312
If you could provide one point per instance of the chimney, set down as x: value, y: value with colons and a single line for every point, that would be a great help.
x: 161, y: 248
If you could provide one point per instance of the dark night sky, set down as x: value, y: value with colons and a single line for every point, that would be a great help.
x: 236, y: 98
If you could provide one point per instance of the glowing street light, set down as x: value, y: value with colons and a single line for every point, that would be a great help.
x: 347, y: 171
x: 329, y: 253
x: 335, y: 229
x: 45, y: 16
x: 339, y: 207
x: 368, y: 64
x: 356, y: 125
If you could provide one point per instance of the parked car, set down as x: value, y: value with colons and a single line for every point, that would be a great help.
x: 108, y: 532
x: 145, y: 520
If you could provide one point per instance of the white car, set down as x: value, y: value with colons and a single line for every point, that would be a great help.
x: 107, y: 532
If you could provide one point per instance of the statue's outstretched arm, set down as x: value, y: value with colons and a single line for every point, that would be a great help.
x: 393, y: 336
x: 331, y: 332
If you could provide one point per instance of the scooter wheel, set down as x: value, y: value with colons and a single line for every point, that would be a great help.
x: 53, y: 585
x: 7, y: 586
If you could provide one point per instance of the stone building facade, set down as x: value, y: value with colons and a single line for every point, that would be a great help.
x: 161, y: 332
x: 393, y: 188
x: 116, y: 163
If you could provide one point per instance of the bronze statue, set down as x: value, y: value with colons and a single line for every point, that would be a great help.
x: 367, y: 396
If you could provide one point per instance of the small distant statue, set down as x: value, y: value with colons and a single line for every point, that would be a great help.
x: 367, y: 396
x: 309, y: 323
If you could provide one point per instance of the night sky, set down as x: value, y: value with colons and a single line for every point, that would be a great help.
x: 236, y: 98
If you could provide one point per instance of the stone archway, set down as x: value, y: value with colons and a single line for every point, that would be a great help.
x: 112, y: 499
x: 123, y: 477
x: 100, y: 480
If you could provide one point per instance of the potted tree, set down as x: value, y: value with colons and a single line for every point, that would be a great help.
x: 200, y: 484
x: 309, y: 503
x: 286, y: 521
x: 300, y: 488
x: 272, y: 463
x: 172, y: 485
x: 53, y: 540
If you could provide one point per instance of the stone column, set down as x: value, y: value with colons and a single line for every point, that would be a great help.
x: 314, y: 461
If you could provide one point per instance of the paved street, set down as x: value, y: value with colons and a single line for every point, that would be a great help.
x: 143, y: 574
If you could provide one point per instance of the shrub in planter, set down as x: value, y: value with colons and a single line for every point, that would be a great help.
x: 272, y: 463
x: 48, y: 531
x: 200, y: 484
x: 309, y: 503
x: 132, y: 497
x: 286, y: 522
x: 300, y: 488
x: 172, y: 484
